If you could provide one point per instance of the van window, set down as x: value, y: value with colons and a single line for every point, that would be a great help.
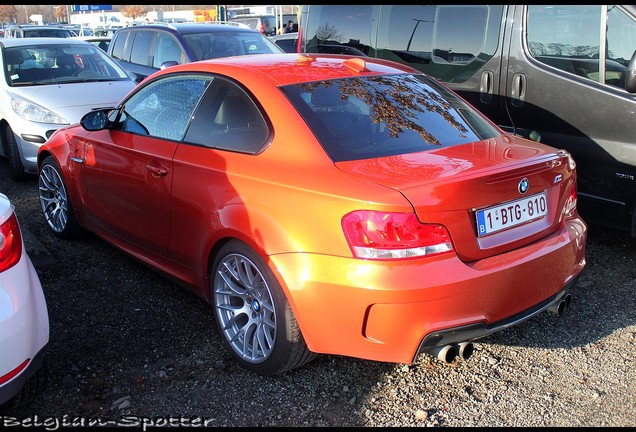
x: 333, y: 26
x: 569, y: 38
x: 449, y: 42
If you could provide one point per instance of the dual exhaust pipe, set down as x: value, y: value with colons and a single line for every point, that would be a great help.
x: 559, y: 307
x: 448, y: 353
x: 464, y: 350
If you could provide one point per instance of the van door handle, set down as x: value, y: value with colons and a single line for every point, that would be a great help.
x: 485, y: 87
x: 518, y: 91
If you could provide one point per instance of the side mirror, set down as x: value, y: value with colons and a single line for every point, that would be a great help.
x: 95, y: 120
x: 168, y: 63
x: 630, y: 75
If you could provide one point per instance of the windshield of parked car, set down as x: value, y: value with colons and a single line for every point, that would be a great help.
x: 228, y: 44
x: 377, y: 116
x: 53, y: 64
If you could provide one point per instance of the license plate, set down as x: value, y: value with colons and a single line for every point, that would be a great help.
x: 511, y: 214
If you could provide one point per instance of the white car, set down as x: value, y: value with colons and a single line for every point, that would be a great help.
x: 48, y: 83
x: 24, y: 319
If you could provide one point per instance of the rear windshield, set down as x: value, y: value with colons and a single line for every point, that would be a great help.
x: 370, y: 117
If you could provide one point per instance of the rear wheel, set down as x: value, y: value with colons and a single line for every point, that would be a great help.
x: 15, y: 162
x: 56, y: 205
x: 31, y: 389
x: 253, y: 314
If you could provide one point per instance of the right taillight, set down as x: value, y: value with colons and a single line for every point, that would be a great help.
x: 10, y: 243
x: 386, y: 235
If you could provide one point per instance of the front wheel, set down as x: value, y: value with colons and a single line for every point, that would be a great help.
x: 15, y: 160
x: 253, y: 314
x: 55, y: 203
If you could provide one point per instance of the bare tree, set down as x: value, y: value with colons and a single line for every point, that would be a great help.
x: 8, y: 13
x: 134, y: 11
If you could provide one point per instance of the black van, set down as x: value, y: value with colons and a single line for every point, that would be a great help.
x: 532, y: 69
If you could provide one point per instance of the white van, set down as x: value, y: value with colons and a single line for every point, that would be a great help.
x: 532, y: 69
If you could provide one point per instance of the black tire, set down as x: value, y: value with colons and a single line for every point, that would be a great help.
x: 15, y: 162
x: 35, y: 385
x: 55, y: 202
x: 249, y: 301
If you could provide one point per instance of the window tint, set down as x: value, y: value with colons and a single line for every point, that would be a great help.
x: 142, y: 48
x: 163, y: 108
x: 449, y: 42
x: 569, y: 38
x: 228, y: 119
x: 361, y: 118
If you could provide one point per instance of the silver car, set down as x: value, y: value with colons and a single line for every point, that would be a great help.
x: 49, y: 83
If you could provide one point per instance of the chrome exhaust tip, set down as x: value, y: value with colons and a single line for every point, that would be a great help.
x: 465, y: 350
x: 445, y: 353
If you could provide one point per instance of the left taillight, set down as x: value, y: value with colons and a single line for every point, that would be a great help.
x: 385, y: 235
x: 10, y: 243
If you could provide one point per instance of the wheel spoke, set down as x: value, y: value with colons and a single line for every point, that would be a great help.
x: 245, y: 308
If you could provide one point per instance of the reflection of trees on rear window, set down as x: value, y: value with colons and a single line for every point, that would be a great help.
x: 382, y: 116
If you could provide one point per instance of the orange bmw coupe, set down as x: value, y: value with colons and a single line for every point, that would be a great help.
x: 324, y: 204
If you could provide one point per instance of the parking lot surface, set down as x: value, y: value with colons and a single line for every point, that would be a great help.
x: 130, y: 348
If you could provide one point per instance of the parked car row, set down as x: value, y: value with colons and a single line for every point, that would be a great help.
x: 321, y: 203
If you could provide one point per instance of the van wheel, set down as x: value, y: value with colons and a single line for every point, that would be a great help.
x: 15, y: 162
x: 253, y: 314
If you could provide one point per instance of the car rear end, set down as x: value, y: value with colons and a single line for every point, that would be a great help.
x: 487, y: 236
x: 24, y: 322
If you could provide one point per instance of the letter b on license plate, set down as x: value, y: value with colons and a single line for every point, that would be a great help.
x: 511, y: 214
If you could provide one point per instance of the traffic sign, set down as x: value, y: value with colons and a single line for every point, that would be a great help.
x: 91, y: 8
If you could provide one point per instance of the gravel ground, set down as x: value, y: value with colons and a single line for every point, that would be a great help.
x: 130, y: 348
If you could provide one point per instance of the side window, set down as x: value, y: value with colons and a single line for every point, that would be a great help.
x: 142, y: 47
x: 118, y: 46
x: 167, y: 49
x: 163, y: 108
x: 566, y: 37
x: 335, y: 26
x: 621, y: 43
x: 449, y: 42
x: 228, y: 119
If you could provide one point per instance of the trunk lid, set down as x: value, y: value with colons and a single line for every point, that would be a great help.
x: 450, y: 185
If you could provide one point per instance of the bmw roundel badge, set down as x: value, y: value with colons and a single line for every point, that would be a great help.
x: 524, y: 185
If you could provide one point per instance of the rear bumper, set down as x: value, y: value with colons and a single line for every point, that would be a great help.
x: 13, y: 387
x: 480, y: 330
x: 391, y: 311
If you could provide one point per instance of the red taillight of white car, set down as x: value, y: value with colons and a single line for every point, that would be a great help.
x: 10, y: 243
x: 381, y: 235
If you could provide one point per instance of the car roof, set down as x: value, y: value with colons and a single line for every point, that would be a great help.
x: 306, y: 67
x: 285, y: 36
x: 39, y: 41
x: 190, y: 28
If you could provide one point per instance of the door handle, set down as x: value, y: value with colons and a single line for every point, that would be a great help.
x: 518, y: 91
x: 157, y: 171
x: 485, y: 87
